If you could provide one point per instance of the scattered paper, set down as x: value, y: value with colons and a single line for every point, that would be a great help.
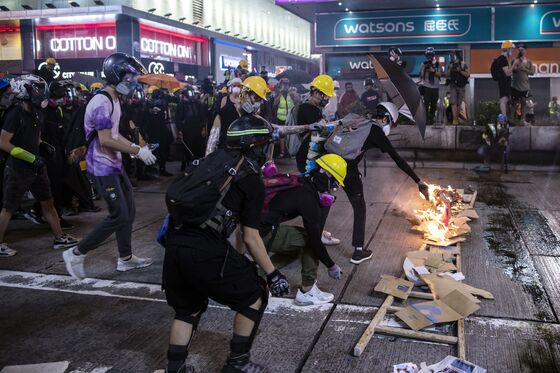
x: 405, y: 368
x: 452, y: 364
x: 397, y: 287
x: 457, y: 276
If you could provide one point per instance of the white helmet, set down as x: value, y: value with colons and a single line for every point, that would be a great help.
x: 29, y: 87
x: 390, y: 108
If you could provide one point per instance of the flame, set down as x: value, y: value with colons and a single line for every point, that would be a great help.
x: 435, y: 218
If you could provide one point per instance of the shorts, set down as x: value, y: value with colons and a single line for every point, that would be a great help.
x: 193, y: 275
x: 515, y: 94
x: 504, y: 86
x: 457, y: 95
x: 17, y: 182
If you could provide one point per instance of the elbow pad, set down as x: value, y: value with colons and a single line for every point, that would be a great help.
x: 22, y: 154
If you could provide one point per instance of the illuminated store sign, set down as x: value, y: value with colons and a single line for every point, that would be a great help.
x: 161, y: 44
x: 94, y: 40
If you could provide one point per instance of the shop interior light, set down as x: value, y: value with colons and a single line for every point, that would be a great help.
x: 167, y: 15
x: 50, y: 5
x: 346, y: 9
x: 339, y: 4
x: 26, y: 7
x: 74, y: 4
x: 4, y: 8
x: 99, y: 2
x: 151, y: 10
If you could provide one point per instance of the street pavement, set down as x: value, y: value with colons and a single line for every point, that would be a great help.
x: 118, y: 322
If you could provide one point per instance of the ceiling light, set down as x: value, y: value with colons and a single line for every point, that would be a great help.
x: 339, y: 4
x: 151, y: 10
x: 182, y: 19
x: 167, y: 15
x: 350, y: 12
x: 236, y: 35
x: 50, y: 5
x: 535, y: 1
x: 346, y: 9
x: 437, y: 6
x: 99, y: 2
x: 532, y: 5
x: 218, y: 29
x: 74, y: 4
x: 4, y: 8
x: 26, y: 7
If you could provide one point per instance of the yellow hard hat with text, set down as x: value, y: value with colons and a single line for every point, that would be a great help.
x: 335, y: 165
x: 257, y: 85
x: 325, y: 84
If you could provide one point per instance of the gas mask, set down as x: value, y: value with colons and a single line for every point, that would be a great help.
x: 6, y: 100
x: 127, y: 85
x: 324, y: 185
x: 38, y: 93
x: 384, y: 121
x: 250, y: 104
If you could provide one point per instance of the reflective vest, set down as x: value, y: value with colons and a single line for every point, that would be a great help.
x: 552, y: 108
x: 210, y: 102
x: 446, y: 102
x: 284, y: 107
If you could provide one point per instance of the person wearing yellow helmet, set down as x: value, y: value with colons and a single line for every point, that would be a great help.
x: 151, y: 89
x: 95, y: 86
x: 47, y: 70
x: 305, y: 197
x: 505, y: 71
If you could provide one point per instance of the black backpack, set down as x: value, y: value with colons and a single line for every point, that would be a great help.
x: 77, y: 134
x: 495, y: 70
x: 194, y: 199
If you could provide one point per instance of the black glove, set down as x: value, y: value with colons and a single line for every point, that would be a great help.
x: 278, y: 284
x: 47, y: 149
x: 39, y: 163
x: 423, y: 188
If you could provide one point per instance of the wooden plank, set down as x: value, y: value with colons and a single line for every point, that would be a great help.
x: 473, y: 200
x: 461, y: 351
x: 421, y: 295
x: 407, y: 333
x: 370, y: 330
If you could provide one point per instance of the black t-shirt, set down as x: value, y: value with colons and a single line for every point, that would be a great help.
x: 502, y: 62
x: 308, y: 114
x: 304, y: 202
x: 370, y: 99
x: 228, y: 114
x: 26, y: 128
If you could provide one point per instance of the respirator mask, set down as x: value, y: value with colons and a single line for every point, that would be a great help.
x: 126, y: 85
x: 250, y: 103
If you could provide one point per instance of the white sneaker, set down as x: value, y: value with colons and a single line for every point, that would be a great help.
x: 74, y: 263
x: 313, y: 296
x: 5, y: 251
x: 328, y: 239
x: 133, y: 263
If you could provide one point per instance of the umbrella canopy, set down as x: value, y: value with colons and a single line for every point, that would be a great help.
x: 401, y: 89
x: 295, y: 76
x: 160, y: 81
x: 87, y: 80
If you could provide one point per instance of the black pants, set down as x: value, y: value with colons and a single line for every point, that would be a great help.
x: 117, y: 192
x: 354, y: 189
x: 431, y: 97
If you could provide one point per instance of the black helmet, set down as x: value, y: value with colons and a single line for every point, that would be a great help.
x: 117, y: 65
x: 394, y: 52
x: 248, y: 132
x: 368, y: 81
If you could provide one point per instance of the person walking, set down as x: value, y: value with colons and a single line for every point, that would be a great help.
x: 502, y: 75
x: 522, y: 69
x: 104, y: 163
x: 430, y: 72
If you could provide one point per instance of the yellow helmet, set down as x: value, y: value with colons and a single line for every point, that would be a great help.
x: 50, y: 61
x: 151, y: 89
x: 244, y: 64
x: 83, y: 88
x: 257, y: 85
x: 335, y: 165
x: 507, y: 44
x: 175, y: 90
x: 95, y: 86
x: 325, y: 84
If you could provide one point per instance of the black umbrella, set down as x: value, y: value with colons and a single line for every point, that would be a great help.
x: 295, y: 76
x: 87, y: 80
x: 401, y: 89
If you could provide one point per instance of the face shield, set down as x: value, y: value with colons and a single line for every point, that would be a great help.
x: 127, y: 85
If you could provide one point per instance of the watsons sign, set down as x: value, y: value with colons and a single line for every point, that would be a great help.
x: 402, y: 27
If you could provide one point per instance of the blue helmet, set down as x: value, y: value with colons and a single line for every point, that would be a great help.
x: 4, y: 83
x: 430, y: 51
x: 501, y: 117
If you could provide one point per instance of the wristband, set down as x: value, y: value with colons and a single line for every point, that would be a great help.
x: 22, y: 154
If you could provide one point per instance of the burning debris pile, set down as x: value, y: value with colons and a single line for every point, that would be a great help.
x: 444, y: 222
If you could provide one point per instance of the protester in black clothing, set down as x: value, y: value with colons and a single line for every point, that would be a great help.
x: 289, y: 242
x: 47, y: 70
x: 158, y: 129
x: 264, y: 73
x: 25, y: 169
x: 190, y: 120
x: 387, y: 115
x: 370, y: 98
x: 199, y: 263
x: 505, y: 72
x: 430, y: 73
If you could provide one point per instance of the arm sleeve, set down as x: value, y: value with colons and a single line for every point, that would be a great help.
x: 310, y: 213
x: 253, y: 203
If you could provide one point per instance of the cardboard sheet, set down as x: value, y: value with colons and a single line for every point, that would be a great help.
x: 397, y: 287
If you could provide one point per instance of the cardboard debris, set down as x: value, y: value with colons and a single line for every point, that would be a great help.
x: 452, y: 364
x: 459, y: 220
x: 447, y: 252
x: 467, y: 198
x: 452, y: 307
x: 470, y: 213
x: 448, y: 242
x: 457, y: 276
x: 405, y: 368
x: 397, y: 287
x: 441, y: 286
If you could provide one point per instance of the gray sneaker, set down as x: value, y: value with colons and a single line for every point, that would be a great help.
x: 133, y: 263
x: 64, y: 242
x: 5, y: 250
x: 74, y: 263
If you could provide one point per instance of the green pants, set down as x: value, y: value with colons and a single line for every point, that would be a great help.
x: 290, y: 243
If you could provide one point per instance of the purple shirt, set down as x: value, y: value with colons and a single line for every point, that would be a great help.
x: 102, y: 161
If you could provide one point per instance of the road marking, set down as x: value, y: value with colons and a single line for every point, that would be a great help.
x: 127, y: 290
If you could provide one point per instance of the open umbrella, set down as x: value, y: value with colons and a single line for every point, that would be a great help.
x: 160, y: 80
x: 401, y: 89
x: 295, y: 76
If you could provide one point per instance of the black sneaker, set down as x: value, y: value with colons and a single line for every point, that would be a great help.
x: 32, y: 216
x: 361, y: 256
x: 65, y: 224
x: 242, y: 364
x: 183, y: 369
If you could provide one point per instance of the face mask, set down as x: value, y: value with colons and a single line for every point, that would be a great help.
x: 521, y: 53
x: 387, y: 129
x: 250, y: 107
x: 326, y: 199
x: 321, y: 182
x: 235, y: 90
